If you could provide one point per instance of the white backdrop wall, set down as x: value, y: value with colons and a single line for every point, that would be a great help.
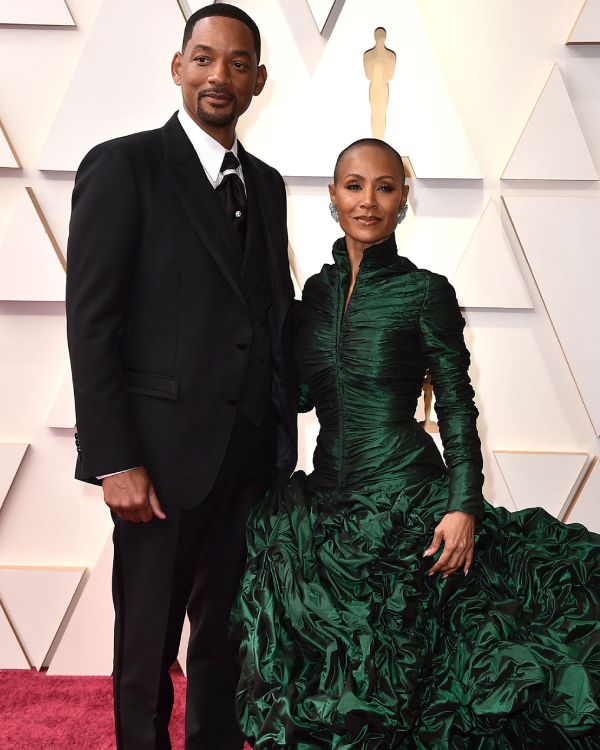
x: 494, y: 57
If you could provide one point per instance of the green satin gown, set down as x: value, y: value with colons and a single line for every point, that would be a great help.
x: 345, y: 642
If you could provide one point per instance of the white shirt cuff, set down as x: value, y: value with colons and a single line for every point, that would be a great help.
x: 114, y: 474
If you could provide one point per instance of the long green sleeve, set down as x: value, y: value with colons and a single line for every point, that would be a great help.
x: 443, y: 342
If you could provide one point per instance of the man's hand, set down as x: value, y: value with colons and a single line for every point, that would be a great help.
x: 131, y: 496
x: 457, y: 531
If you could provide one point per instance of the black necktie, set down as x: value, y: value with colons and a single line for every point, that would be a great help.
x: 232, y: 195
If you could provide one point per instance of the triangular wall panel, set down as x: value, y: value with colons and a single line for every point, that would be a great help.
x: 321, y: 10
x: 11, y: 455
x: 36, y: 600
x: 30, y: 260
x: 559, y: 237
x: 12, y: 655
x: 586, y: 508
x: 542, y: 480
x: 187, y: 8
x: 432, y: 137
x: 8, y: 156
x: 552, y: 145
x: 35, y: 13
x: 122, y: 32
x: 297, y: 276
x: 183, y: 646
x: 587, y: 26
x: 62, y: 414
x: 92, y: 622
x: 488, y: 275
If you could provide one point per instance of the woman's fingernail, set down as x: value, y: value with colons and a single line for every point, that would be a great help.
x: 466, y: 572
x: 426, y: 552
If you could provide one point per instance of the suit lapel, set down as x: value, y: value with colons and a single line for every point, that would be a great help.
x: 197, y: 196
x: 274, y: 232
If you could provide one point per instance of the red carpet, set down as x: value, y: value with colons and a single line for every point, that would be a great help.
x: 38, y: 712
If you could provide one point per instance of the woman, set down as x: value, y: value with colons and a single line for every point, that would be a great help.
x: 356, y: 632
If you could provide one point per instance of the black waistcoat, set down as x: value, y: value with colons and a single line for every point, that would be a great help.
x: 256, y: 287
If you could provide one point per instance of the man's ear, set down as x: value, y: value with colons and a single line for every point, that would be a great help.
x: 176, y: 68
x: 261, y: 79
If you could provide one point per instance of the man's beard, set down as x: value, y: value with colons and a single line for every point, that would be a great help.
x: 215, y: 118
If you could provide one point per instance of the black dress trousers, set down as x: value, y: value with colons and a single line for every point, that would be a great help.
x: 194, y: 559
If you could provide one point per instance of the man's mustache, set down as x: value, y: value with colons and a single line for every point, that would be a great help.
x: 220, y: 91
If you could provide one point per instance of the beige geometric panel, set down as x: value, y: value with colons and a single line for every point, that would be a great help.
x: 62, y: 414
x: 183, y: 646
x: 297, y: 275
x: 12, y: 655
x: 321, y: 10
x: 187, y: 8
x: 587, y: 26
x: 102, y: 102
x: 31, y: 264
x: 552, y: 146
x: 488, y: 275
x: 586, y: 507
x: 559, y: 237
x: 308, y: 432
x: 86, y: 647
x: 542, y: 480
x: 437, y: 439
x: 295, y: 105
x: 312, y: 233
x: 35, y: 13
x: 8, y: 156
x: 11, y: 455
x: 36, y: 601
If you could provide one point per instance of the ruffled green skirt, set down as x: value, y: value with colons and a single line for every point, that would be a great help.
x: 347, y: 644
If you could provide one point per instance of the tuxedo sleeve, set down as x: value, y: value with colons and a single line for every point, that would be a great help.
x: 103, y: 241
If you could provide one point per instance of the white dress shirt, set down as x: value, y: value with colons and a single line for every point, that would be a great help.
x: 210, y: 152
x: 211, y: 155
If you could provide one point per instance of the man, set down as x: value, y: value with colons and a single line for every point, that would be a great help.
x: 179, y: 322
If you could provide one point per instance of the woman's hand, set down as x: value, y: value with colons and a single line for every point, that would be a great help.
x: 457, y: 531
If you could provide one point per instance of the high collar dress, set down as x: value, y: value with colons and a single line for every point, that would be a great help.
x: 345, y: 642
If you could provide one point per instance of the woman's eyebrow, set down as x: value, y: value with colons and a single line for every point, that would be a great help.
x: 381, y: 177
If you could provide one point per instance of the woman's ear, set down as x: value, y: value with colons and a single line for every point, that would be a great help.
x: 405, y: 191
x: 332, y: 192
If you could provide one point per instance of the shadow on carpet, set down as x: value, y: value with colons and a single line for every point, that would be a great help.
x: 63, y: 713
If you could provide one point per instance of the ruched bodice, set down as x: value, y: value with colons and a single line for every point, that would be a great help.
x: 363, y: 369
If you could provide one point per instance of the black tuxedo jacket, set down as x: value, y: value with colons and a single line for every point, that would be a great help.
x: 158, y: 327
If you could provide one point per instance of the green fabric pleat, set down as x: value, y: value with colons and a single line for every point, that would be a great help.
x: 345, y: 642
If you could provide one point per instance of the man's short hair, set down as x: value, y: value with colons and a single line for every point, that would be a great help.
x: 224, y: 10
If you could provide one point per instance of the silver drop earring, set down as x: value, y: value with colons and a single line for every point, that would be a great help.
x: 334, y: 212
x: 402, y: 213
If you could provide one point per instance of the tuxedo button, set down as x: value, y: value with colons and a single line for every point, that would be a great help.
x: 232, y: 401
x: 242, y: 346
